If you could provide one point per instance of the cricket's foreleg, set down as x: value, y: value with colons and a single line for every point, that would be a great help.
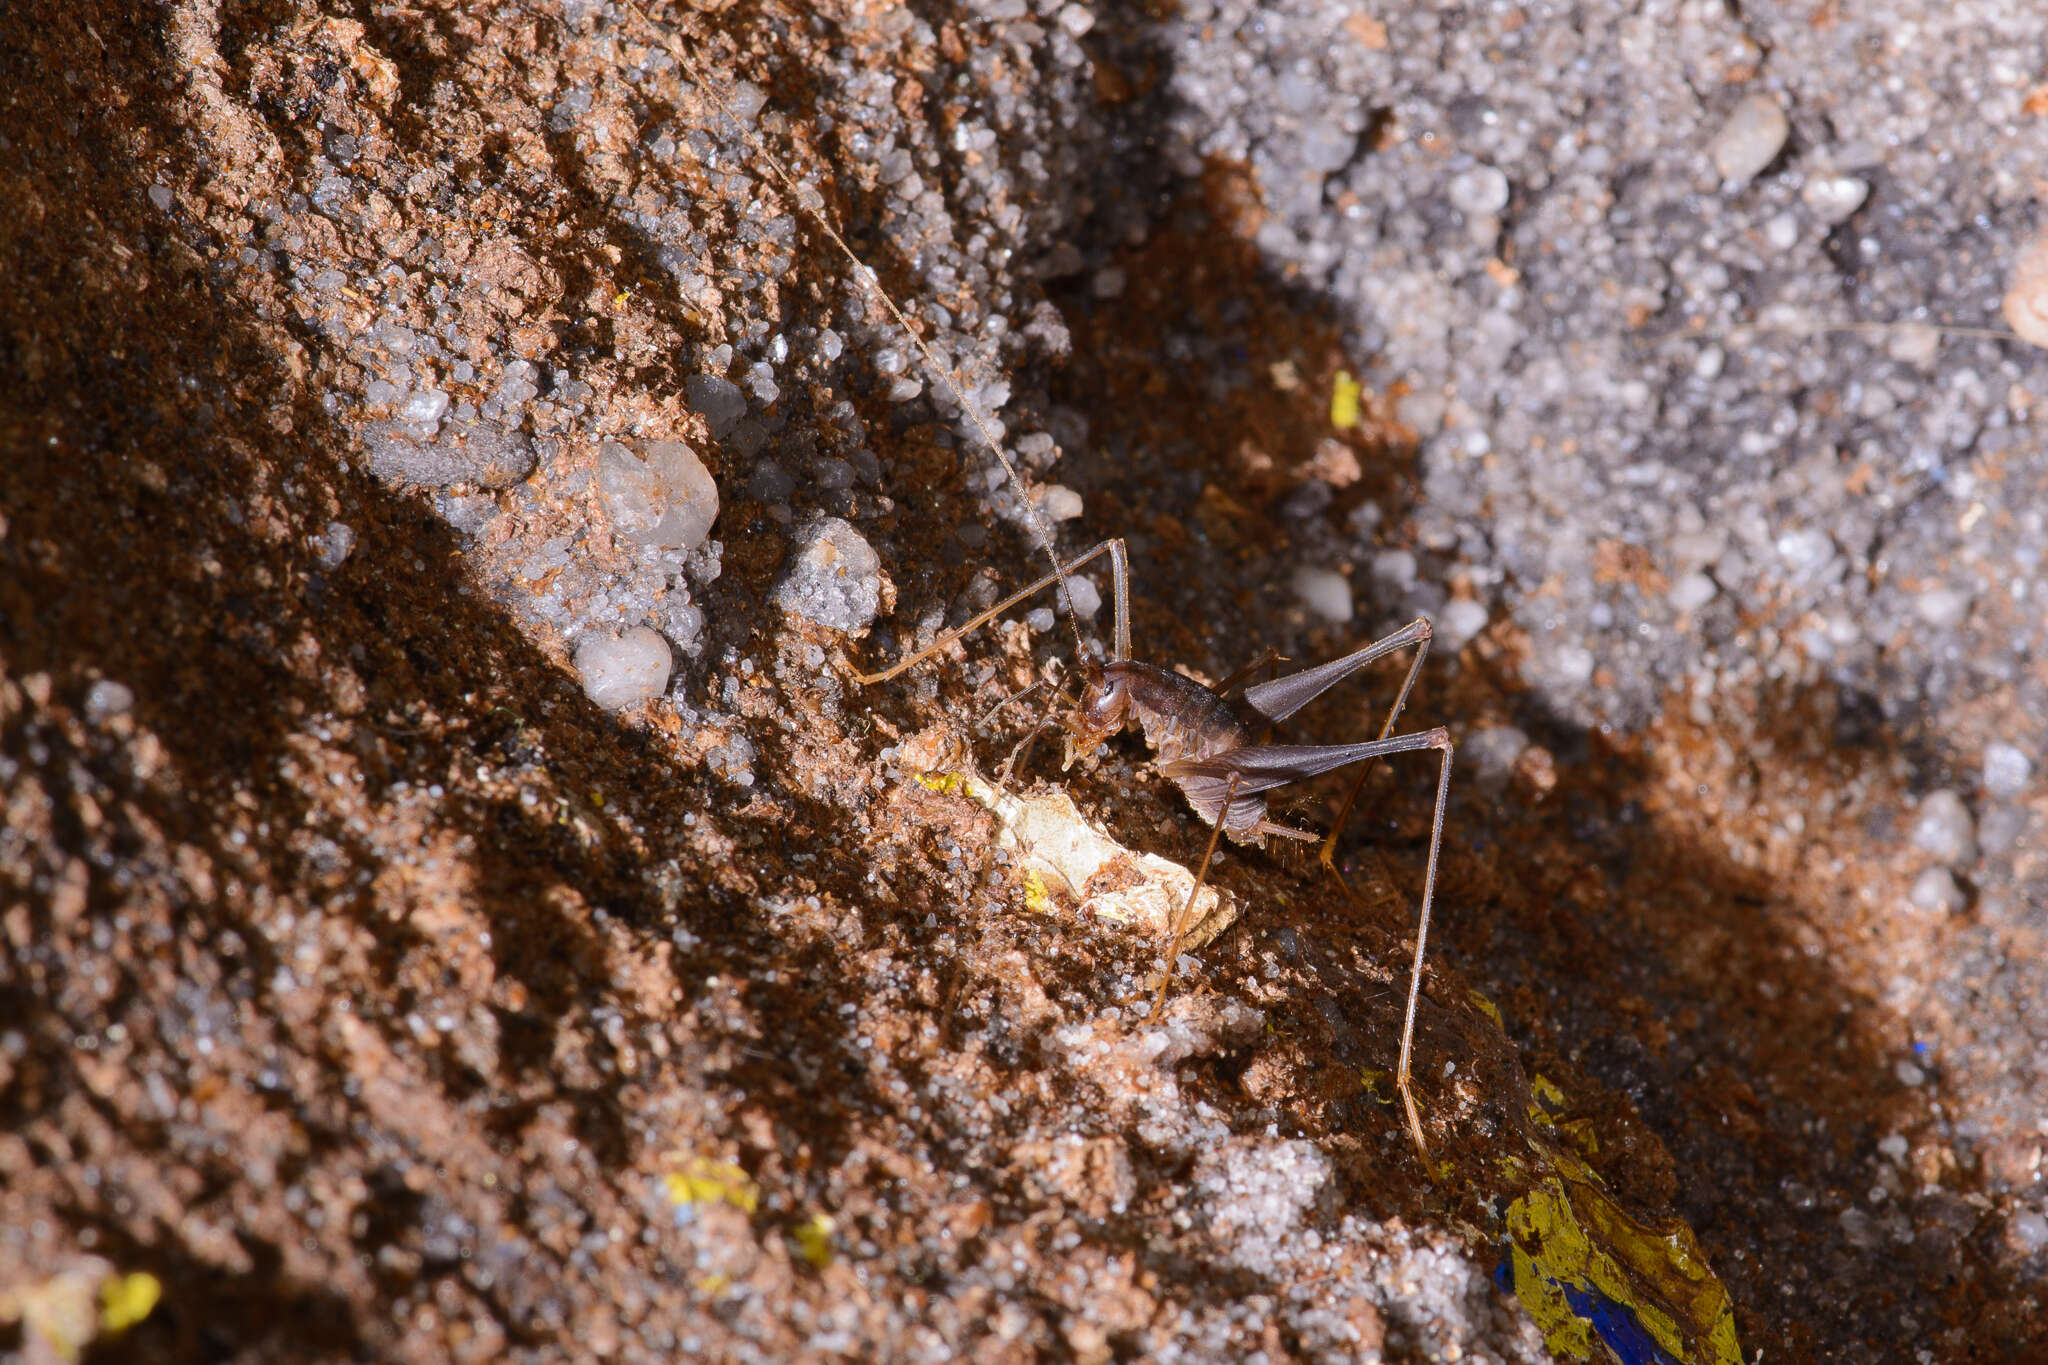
x: 1022, y: 752
x: 1120, y: 570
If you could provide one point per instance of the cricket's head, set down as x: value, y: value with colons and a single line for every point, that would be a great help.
x: 1105, y: 705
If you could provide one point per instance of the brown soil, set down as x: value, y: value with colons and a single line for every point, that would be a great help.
x: 366, y: 984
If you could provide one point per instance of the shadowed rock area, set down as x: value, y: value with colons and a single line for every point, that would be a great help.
x: 458, y: 905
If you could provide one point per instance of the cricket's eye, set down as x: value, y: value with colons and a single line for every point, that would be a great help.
x: 1102, y: 704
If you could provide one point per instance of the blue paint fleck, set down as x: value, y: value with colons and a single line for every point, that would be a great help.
x: 1618, y: 1326
x: 1617, y: 1323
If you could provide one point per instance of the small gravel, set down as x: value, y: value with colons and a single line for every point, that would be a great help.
x: 2007, y: 770
x: 106, y: 699
x: 1572, y: 665
x: 1394, y: 571
x: 1087, y: 597
x: 332, y: 547
x: 1945, y: 829
x: 2026, y: 296
x: 1481, y: 191
x: 623, y: 670
x: 719, y: 401
x: 1325, y: 592
x: 1942, y: 608
x: 1459, y: 622
x: 1834, y: 199
x: 1936, y: 892
x: 1751, y: 138
x: 1059, y: 503
x: 834, y: 579
x: 1489, y: 755
x: 662, y: 497
x: 459, y: 453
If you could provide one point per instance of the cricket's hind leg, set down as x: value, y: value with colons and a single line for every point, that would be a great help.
x: 1284, y: 696
x: 1184, y: 921
x: 1421, y: 633
x: 1436, y: 840
x: 1262, y: 767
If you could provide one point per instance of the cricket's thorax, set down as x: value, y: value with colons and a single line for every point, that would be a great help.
x: 1181, y: 718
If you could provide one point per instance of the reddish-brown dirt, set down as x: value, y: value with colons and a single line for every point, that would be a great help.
x: 372, y: 989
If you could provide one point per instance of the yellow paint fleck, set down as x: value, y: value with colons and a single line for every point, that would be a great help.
x: 1345, y: 404
x: 63, y: 1315
x: 1547, y: 1094
x: 700, y: 1180
x: 1037, y: 899
x: 1487, y: 1008
x: 127, y: 1299
x: 1581, y: 1135
x: 1569, y: 1241
x: 813, y: 1238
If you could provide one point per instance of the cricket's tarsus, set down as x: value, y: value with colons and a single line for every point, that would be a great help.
x: 1208, y: 745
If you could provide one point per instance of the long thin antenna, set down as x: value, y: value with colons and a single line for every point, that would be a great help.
x: 815, y: 211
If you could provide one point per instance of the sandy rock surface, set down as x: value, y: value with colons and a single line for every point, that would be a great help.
x: 368, y: 991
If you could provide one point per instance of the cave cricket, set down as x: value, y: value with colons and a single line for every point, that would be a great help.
x: 1205, y: 739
